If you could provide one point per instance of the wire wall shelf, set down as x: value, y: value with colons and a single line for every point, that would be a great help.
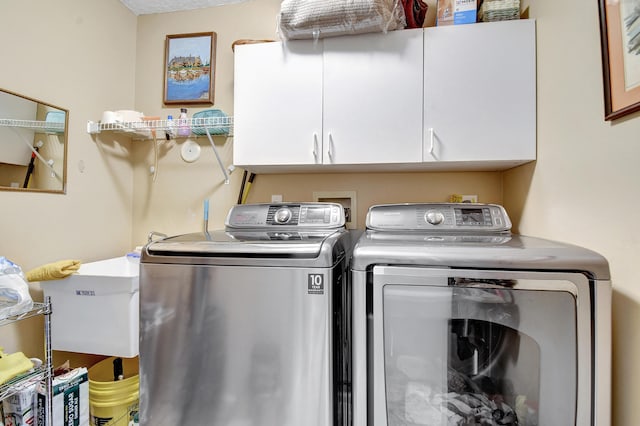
x: 148, y: 129
x: 39, y: 126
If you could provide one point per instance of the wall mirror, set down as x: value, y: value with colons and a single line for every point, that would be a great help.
x: 33, y: 144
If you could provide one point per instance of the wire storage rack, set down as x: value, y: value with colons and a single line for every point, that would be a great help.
x: 42, y: 374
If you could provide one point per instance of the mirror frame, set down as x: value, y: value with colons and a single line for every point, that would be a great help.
x: 65, y: 152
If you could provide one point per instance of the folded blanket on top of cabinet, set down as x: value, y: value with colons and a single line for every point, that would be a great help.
x: 306, y: 19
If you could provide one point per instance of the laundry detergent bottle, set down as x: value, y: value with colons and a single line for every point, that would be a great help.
x: 183, y: 124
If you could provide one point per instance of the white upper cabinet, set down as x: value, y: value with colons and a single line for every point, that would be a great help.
x: 278, y: 103
x: 446, y: 98
x: 480, y: 94
x: 372, y: 105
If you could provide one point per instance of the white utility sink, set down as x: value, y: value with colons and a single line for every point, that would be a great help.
x: 124, y: 267
x: 96, y: 310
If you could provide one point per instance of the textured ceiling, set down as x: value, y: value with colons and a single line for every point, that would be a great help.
x: 146, y: 7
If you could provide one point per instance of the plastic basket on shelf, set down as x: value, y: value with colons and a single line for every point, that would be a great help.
x: 54, y: 122
x: 213, y: 120
x: 499, y: 10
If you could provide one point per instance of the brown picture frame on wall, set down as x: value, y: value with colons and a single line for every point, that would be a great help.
x: 189, y: 69
x: 620, y: 57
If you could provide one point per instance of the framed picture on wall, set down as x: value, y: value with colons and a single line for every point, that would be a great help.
x: 620, y: 40
x: 189, y: 68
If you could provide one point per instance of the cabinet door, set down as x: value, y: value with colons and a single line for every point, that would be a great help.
x: 278, y: 104
x: 480, y: 93
x: 373, y: 98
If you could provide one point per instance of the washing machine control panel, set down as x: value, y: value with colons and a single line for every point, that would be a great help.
x: 452, y: 217
x: 298, y: 215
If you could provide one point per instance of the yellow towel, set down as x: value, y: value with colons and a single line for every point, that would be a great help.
x: 53, y: 271
x: 13, y: 364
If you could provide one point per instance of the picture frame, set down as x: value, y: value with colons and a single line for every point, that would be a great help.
x: 620, y: 57
x: 189, y: 68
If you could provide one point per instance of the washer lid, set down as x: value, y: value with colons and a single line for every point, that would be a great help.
x: 312, y: 231
x: 280, y: 243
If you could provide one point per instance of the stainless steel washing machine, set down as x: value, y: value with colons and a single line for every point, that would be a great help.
x: 459, y: 322
x: 248, y: 326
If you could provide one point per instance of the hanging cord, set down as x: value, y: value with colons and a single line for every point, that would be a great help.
x: 155, y: 157
x: 33, y: 150
x: 215, y: 151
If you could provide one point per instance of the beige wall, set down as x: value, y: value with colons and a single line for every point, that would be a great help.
x: 173, y: 203
x: 584, y: 187
x: 80, y: 56
x: 379, y: 188
x: 114, y: 61
x: 582, y: 159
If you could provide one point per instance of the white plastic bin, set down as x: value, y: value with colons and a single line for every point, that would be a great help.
x: 96, y: 310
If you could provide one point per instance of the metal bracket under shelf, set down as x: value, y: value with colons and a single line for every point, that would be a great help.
x: 201, y: 126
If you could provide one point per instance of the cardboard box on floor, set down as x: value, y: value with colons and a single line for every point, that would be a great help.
x: 70, y: 399
x: 20, y: 408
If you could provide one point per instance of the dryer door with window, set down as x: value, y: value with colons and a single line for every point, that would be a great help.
x: 478, y: 347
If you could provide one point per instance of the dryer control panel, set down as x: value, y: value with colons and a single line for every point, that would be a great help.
x: 298, y: 215
x: 450, y: 217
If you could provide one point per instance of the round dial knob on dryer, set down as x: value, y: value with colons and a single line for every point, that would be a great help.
x: 434, y: 217
x: 282, y: 215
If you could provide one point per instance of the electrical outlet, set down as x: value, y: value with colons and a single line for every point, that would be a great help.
x: 347, y: 199
x: 276, y: 198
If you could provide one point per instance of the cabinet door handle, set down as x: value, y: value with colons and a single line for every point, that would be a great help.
x: 432, y: 139
x: 330, y: 149
x: 315, y: 147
